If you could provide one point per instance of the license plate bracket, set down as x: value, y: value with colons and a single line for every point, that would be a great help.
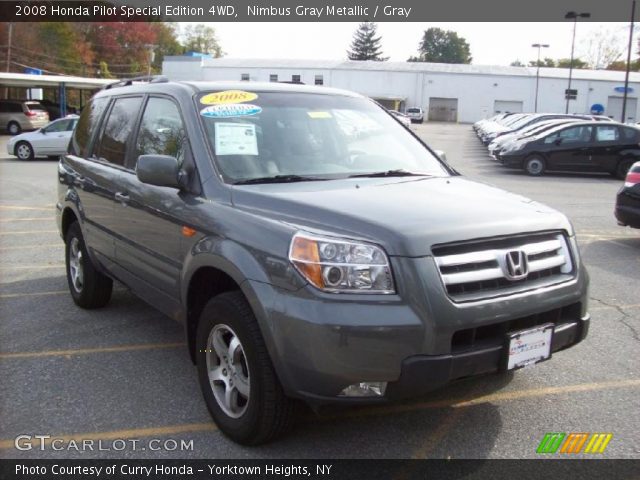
x: 525, y: 348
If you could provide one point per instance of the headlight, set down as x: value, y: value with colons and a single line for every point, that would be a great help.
x: 341, y: 266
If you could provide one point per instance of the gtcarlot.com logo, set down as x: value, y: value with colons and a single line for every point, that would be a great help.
x: 47, y: 442
x: 574, y: 443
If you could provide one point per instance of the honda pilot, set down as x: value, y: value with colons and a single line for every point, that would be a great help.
x: 313, y: 248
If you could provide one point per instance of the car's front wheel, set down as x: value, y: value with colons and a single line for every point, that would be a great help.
x: 24, y: 151
x: 238, y: 381
x: 534, y: 165
x: 89, y: 287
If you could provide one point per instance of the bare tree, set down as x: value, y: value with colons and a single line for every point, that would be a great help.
x: 602, y: 47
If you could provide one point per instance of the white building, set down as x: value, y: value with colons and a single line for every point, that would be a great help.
x: 446, y: 92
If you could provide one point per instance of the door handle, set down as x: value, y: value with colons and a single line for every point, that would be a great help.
x: 80, y: 181
x: 122, y: 197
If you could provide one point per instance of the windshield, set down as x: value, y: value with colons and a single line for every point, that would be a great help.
x: 413, y: 110
x: 280, y: 135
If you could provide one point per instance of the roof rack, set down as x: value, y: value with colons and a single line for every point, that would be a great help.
x: 129, y: 81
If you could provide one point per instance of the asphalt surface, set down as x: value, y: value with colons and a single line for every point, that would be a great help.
x: 122, y: 372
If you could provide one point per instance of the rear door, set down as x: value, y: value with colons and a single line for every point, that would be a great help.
x: 568, y: 149
x: 92, y: 182
x: 149, y: 227
x: 608, y: 141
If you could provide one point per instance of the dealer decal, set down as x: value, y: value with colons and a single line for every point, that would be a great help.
x: 228, y: 96
x: 230, y: 110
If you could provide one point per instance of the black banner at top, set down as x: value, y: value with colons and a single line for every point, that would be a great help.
x: 312, y: 10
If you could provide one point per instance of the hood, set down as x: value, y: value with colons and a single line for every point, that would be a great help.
x: 404, y: 215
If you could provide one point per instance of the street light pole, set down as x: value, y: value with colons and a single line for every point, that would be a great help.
x: 538, y: 46
x: 626, y: 75
x: 573, y: 16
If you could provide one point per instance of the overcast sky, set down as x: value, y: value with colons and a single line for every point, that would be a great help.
x: 491, y: 43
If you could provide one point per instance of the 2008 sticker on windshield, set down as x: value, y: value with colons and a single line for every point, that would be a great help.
x: 227, y: 97
x: 236, y: 139
x: 230, y: 110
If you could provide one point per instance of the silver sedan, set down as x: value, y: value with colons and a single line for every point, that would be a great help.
x: 50, y: 141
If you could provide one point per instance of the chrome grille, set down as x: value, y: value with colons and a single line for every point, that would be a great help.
x: 484, y: 269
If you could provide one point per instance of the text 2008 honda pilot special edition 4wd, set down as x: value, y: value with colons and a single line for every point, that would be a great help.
x: 312, y: 246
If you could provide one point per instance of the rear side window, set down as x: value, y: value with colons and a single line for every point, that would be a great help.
x: 630, y: 134
x: 161, y: 130
x: 112, y: 145
x: 607, y: 133
x: 89, y: 121
x: 15, y: 108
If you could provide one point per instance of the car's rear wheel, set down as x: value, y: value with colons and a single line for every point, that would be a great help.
x: 535, y: 165
x: 623, y: 167
x: 24, y: 151
x: 89, y: 287
x: 14, y: 128
x: 238, y: 381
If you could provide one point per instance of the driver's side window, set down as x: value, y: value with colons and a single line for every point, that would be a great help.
x: 61, y: 126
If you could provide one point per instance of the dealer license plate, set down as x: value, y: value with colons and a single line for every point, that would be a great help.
x: 528, y: 347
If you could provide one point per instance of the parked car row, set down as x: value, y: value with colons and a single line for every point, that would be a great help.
x: 541, y: 142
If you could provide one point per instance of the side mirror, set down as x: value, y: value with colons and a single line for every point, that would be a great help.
x: 160, y: 170
x: 442, y: 155
x: 557, y: 141
x: 43, y: 131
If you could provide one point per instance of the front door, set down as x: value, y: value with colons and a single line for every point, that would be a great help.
x: 569, y: 148
x: 149, y: 225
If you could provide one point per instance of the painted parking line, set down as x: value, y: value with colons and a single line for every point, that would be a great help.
x: 33, y: 247
x: 30, y: 267
x: 31, y: 232
x: 29, y: 219
x: 33, y: 294
x: 210, y: 427
x: 86, y: 351
x: 48, y: 208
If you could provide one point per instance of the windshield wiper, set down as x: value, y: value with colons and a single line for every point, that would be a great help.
x: 391, y: 173
x: 279, y: 179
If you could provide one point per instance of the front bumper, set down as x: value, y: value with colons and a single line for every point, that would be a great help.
x: 321, y: 343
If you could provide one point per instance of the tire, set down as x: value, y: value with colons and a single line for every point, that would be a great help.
x: 14, y: 128
x: 534, y: 165
x: 89, y: 288
x: 260, y: 413
x: 623, y: 167
x: 24, y: 151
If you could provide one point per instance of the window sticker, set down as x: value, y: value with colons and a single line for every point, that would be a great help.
x: 236, y: 139
x: 230, y: 110
x: 606, y: 134
x: 319, y: 114
x: 228, y: 96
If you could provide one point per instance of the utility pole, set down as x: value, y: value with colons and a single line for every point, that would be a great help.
x: 626, y: 75
x: 9, y: 46
x: 538, y: 46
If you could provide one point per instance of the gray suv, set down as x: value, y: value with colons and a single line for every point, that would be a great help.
x: 313, y: 248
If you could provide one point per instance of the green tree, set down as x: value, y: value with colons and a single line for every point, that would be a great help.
x: 517, y: 63
x: 546, y: 62
x: 166, y: 43
x: 365, y: 44
x: 202, y: 38
x: 442, y: 46
x: 577, y: 63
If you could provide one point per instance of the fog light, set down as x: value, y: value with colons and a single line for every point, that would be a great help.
x: 365, y: 389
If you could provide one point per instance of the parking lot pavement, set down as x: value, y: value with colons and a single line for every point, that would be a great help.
x: 123, y: 372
